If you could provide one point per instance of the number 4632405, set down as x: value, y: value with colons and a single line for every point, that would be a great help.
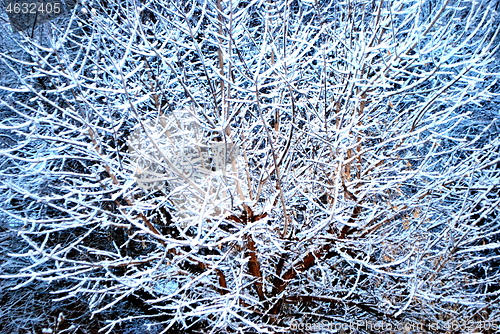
x: 33, y: 8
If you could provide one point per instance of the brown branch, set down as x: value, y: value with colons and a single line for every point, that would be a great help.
x: 281, y: 283
x: 222, y: 282
x: 254, y: 267
x: 307, y: 262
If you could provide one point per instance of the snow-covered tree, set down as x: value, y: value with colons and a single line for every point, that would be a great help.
x: 242, y: 166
